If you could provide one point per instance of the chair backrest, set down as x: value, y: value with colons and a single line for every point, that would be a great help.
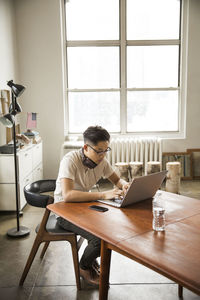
x: 32, y: 192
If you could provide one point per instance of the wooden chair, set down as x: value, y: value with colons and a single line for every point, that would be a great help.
x: 48, y: 230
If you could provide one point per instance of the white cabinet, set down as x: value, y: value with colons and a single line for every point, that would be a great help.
x: 30, y: 169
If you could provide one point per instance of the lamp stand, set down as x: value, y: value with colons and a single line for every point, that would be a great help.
x: 19, y: 231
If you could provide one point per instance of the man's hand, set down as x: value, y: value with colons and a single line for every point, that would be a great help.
x: 120, y: 183
x: 112, y: 194
x: 125, y: 188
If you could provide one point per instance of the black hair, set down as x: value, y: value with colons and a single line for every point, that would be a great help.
x: 95, y: 134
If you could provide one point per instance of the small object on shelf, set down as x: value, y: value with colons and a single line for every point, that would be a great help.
x: 8, y: 148
x: 33, y: 136
x: 24, y: 138
x: 21, y: 145
x: 31, y: 133
x: 37, y: 139
x: 31, y: 120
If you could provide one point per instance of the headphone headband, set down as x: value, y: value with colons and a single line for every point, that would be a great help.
x: 87, y: 161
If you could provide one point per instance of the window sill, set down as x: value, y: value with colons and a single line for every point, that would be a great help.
x: 77, y: 140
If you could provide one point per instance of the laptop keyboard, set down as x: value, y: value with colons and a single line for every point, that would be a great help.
x: 118, y: 200
x: 114, y: 202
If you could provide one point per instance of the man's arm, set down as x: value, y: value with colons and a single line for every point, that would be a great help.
x: 119, y: 182
x: 71, y: 195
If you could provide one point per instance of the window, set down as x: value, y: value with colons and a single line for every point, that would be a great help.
x: 123, y: 65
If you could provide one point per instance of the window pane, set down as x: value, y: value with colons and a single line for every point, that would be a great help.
x: 86, y: 109
x: 155, y: 19
x: 152, y: 66
x: 92, y: 19
x: 152, y: 111
x: 93, y: 67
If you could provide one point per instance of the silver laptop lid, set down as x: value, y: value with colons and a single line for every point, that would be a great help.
x: 143, y: 188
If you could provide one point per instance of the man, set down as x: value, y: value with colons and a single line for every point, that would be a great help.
x: 79, y: 171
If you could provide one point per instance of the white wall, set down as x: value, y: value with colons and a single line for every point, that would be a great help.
x: 40, y: 69
x: 8, y: 50
x: 193, y: 85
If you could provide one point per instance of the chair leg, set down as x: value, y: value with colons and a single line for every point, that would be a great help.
x: 46, y: 244
x: 180, y: 291
x: 76, y: 263
x: 30, y: 260
x: 80, y: 242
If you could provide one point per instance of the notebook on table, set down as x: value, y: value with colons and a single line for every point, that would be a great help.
x: 141, y: 188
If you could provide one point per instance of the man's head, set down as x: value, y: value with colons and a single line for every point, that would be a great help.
x: 96, y: 142
x: 95, y: 134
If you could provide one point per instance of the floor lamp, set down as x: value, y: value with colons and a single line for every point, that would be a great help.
x: 9, y: 121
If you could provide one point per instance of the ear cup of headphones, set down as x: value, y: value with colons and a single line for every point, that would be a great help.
x: 87, y: 161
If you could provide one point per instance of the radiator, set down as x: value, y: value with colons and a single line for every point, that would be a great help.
x: 127, y: 149
x: 132, y: 149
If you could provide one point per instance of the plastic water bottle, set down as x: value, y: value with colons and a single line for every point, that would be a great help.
x: 158, y: 213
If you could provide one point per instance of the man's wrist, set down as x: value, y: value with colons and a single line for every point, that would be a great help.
x: 101, y: 196
x: 121, y: 183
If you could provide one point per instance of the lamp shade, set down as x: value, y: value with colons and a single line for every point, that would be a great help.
x: 16, y: 109
x: 17, y: 89
x: 7, y: 120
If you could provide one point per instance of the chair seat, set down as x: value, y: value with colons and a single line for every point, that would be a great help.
x: 52, y: 226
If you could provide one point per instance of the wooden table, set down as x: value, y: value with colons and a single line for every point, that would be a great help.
x: 174, y: 253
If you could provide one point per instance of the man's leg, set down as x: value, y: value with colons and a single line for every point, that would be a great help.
x: 91, y: 252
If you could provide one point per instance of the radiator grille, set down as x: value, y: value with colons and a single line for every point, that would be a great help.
x: 127, y: 150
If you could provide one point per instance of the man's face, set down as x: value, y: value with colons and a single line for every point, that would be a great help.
x: 96, y: 152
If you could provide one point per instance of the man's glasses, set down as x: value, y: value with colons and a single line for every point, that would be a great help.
x: 100, y: 152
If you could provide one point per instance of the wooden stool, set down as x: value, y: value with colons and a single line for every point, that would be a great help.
x: 153, y: 167
x: 136, y: 168
x: 123, y: 169
x: 173, y: 177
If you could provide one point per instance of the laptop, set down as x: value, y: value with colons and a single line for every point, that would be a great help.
x: 141, y: 188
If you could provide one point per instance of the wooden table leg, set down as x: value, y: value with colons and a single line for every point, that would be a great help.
x: 105, y: 271
x: 180, y: 291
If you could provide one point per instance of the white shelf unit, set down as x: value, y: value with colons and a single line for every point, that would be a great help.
x: 30, y: 169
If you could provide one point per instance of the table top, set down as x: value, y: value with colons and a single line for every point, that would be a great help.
x: 174, y: 253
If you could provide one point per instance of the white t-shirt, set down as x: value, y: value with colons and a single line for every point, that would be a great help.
x: 84, y: 179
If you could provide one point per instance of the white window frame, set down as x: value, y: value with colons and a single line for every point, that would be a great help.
x: 123, y: 43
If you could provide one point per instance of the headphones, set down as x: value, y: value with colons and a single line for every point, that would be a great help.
x: 87, y: 161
